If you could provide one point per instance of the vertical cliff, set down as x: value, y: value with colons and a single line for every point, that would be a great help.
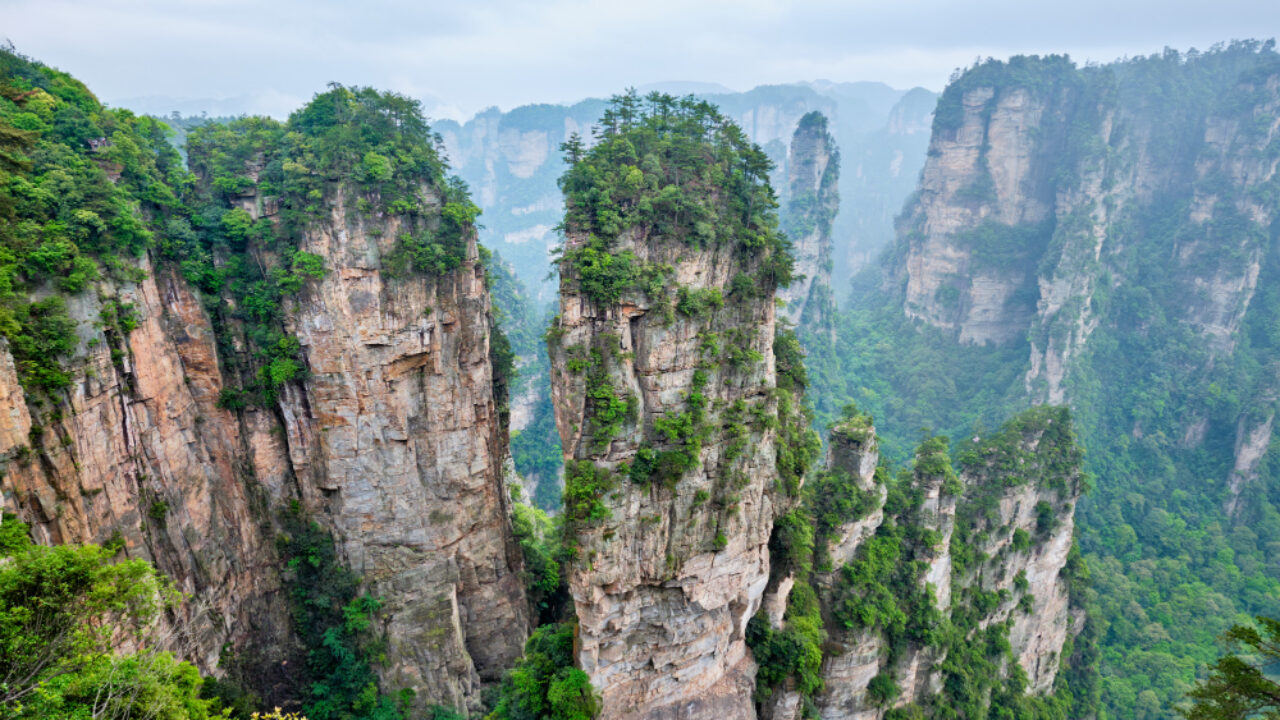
x: 307, y: 335
x: 974, y: 230
x: 396, y: 440
x: 813, y: 176
x: 1105, y: 237
x: 380, y: 367
x: 1038, y: 176
x: 666, y: 397
x: 138, y: 450
x: 933, y: 583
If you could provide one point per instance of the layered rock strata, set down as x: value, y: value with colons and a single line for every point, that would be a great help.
x: 396, y: 439
x: 1050, y: 189
x: 139, y: 452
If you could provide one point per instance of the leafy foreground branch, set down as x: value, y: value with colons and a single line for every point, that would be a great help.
x: 60, y: 609
x: 1245, y: 686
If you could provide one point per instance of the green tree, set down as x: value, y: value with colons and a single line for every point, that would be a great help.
x: 1242, y: 686
x: 544, y: 683
x: 61, y: 611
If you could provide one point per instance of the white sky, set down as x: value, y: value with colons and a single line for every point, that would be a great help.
x: 461, y: 56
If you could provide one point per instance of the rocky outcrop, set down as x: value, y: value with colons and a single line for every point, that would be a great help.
x: 813, y: 175
x: 1011, y: 511
x: 139, y: 452
x: 393, y: 440
x: 666, y: 581
x: 1018, y: 513
x: 1044, y: 195
x: 678, y: 414
x: 851, y: 659
x: 396, y: 440
x: 1017, y: 218
x: 979, y: 172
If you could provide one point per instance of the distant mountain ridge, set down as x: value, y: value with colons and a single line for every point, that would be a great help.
x: 511, y: 160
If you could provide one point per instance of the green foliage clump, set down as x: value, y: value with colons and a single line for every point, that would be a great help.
x: 440, y: 250
x: 540, y: 537
x: 61, y: 611
x: 671, y: 168
x: 355, y: 148
x: 607, y: 409
x: 1242, y: 686
x: 84, y: 191
x: 795, y: 651
x: 883, y: 690
x: 544, y: 683
x: 798, y: 443
x: 1052, y: 462
x: 881, y: 590
x: 585, y: 485
x: 699, y: 303
x: 686, y: 430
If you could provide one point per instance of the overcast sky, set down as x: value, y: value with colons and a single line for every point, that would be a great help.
x: 465, y: 55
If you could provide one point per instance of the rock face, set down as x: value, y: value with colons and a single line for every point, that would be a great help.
x: 1009, y: 515
x: 676, y: 405
x: 139, y: 450
x: 813, y: 175
x: 1023, y: 545
x: 393, y: 440
x: 396, y: 438
x: 851, y: 659
x: 1042, y: 196
x: 978, y: 173
x: 666, y: 583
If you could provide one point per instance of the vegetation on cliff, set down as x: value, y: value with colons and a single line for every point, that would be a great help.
x: 881, y: 591
x: 358, y: 157
x: 545, y: 683
x: 667, y: 170
x: 1158, y: 404
x: 669, y: 183
x: 87, y: 192
x: 666, y: 167
x: 84, y: 192
x: 368, y: 152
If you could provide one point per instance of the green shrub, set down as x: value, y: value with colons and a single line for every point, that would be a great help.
x: 544, y: 683
x: 882, y: 690
x: 62, y: 610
